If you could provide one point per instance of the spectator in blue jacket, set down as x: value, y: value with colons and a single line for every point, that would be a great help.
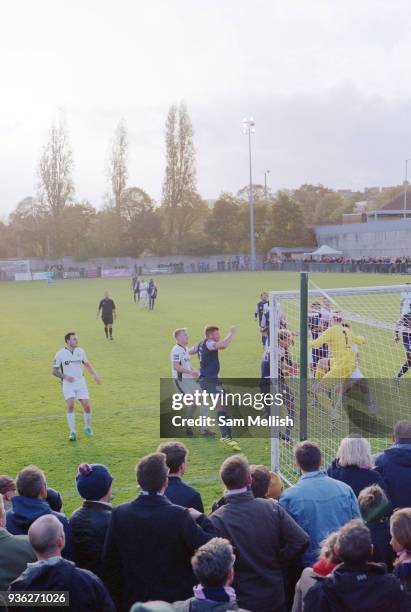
x: 353, y: 465
x: 318, y: 503
x: 30, y: 504
x: 51, y: 572
x: 394, y: 465
x: 178, y: 491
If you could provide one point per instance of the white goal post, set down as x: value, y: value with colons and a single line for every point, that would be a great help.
x: 326, y: 414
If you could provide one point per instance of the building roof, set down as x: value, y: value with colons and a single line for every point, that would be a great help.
x: 397, y: 203
x: 288, y: 250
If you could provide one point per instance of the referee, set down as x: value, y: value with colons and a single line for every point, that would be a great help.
x: 108, y: 312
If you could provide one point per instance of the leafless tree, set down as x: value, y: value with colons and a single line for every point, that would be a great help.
x: 179, y: 185
x: 56, y: 187
x: 55, y: 168
x: 118, y: 171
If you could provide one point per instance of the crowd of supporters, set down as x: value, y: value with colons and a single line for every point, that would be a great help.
x: 374, y: 265
x: 337, y: 540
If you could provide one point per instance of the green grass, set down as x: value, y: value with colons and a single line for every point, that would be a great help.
x: 126, y: 406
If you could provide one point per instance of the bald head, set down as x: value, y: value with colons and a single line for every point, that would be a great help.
x: 46, y: 536
x: 106, y: 294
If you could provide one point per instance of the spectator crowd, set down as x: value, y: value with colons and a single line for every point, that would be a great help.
x: 338, y: 540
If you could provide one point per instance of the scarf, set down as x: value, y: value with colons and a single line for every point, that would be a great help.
x: 224, y: 594
x: 323, y: 567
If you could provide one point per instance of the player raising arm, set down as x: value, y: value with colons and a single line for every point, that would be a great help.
x: 68, y: 366
x: 209, y: 370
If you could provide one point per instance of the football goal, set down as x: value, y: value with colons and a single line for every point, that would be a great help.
x: 339, y: 357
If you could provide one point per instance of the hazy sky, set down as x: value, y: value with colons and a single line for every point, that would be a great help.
x: 328, y: 83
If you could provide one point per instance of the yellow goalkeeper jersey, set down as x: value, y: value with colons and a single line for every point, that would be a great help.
x: 339, y: 340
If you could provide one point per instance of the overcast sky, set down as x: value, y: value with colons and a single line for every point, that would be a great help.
x: 328, y: 83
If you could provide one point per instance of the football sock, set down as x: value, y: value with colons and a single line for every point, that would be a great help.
x: 106, y: 331
x: 71, y: 419
x: 87, y: 419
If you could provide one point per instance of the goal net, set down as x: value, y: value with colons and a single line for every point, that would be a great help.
x: 356, y: 384
x: 11, y: 267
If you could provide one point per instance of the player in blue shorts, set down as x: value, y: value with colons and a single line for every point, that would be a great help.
x: 207, y: 351
x: 260, y: 309
x: 317, y: 324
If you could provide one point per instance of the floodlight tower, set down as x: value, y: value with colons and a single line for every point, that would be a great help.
x: 406, y: 186
x: 248, y: 129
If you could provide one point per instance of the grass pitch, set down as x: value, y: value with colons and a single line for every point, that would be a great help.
x: 126, y: 406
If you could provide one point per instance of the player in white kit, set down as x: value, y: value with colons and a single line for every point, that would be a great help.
x: 185, y: 376
x: 144, y: 293
x: 68, y: 366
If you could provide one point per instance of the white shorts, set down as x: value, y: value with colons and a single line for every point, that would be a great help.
x: 357, y: 374
x: 77, y: 390
x: 186, y: 385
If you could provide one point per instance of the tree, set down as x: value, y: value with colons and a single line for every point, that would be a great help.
x: 8, y: 242
x: 308, y: 198
x: 331, y: 208
x: 133, y: 201
x: 106, y: 235
x: 288, y: 227
x: 76, y: 229
x: 258, y: 192
x: 118, y: 170
x: 224, y: 227
x: 180, y: 196
x: 31, y: 223
x: 56, y: 186
x: 142, y: 226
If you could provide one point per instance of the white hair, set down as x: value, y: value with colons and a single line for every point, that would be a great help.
x: 354, y: 451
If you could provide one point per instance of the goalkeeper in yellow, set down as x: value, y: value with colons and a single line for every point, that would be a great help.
x: 341, y: 342
x: 339, y: 339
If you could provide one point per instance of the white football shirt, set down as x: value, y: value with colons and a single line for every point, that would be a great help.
x: 182, y: 356
x: 71, y: 363
x: 405, y: 302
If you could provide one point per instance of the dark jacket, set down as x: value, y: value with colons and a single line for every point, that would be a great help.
x: 89, y: 526
x: 180, y: 493
x: 148, y: 549
x: 265, y: 537
x: 394, y: 465
x: 26, y: 510
x: 204, y: 605
x: 357, y: 478
x: 87, y: 593
x: 15, y: 553
x: 403, y: 572
x: 379, y: 527
x: 361, y: 589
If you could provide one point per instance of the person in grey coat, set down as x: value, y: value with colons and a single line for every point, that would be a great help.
x: 264, y: 536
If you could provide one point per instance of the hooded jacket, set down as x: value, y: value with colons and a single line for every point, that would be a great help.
x: 394, y: 465
x: 365, y: 588
x: 25, y: 510
x: 86, y: 592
